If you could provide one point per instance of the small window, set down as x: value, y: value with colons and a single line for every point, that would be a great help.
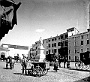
x: 69, y: 51
x: 54, y: 44
x: 55, y: 39
x: 75, y: 43
x: 61, y: 36
x: 59, y: 43
x: 87, y: 36
x: 62, y: 44
x: 48, y: 40
x: 87, y: 49
x: 66, y: 35
x: 49, y: 45
x: 76, y: 58
x: 69, y: 57
x: 52, y: 51
x: 87, y: 41
x: 46, y: 52
x: 55, y: 50
x: 81, y: 36
x: 49, y: 51
x: 66, y: 43
x: 75, y: 51
x: 52, y: 39
x: 81, y: 42
x: 81, y: 50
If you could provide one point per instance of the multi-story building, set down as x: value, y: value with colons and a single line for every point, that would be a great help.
x: 34, y: 51
x: 53, y: 46
x: 79, y: 43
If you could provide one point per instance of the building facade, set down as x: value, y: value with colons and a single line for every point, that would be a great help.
x: 34, y: 50
x: 16, y: 49
x: 79, y: 43
x: 53, y: 46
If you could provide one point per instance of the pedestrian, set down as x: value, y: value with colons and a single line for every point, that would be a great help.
x: 24, y: 64
x: 10, y: 62
x: 68, y: 64
x: 59, y: 60
x: 56, y: 65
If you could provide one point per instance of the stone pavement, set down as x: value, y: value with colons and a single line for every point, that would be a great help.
x: 62, y: 75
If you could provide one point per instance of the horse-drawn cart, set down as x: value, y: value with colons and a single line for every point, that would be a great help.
x: 37, y: 68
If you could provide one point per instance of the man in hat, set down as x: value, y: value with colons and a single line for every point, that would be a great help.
x: 24, y: 64
x: 56, y: 65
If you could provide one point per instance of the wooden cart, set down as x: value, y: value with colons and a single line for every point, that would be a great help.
x: 37, y: 68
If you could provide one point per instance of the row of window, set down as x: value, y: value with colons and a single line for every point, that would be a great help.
x: 65, y: 36
x: 52, y: 51
x: 82, y: 36
x: 82, y: 43
x: 64, y: 43
x: 81, y: 51
x: 76, y: 58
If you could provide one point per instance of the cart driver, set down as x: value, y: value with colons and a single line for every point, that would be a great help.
x: 30, y: 65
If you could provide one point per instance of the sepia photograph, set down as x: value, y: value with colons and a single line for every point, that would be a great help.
x: 44, y: 40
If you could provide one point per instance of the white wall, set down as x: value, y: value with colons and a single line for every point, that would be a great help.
x: 13, y: 52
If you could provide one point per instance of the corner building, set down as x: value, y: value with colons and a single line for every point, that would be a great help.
x: 55, y: 45
x: 79, y: 43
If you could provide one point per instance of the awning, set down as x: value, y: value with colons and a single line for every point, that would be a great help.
x: 3, y: 49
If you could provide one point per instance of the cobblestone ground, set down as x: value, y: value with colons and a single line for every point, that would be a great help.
x: 63, y: 75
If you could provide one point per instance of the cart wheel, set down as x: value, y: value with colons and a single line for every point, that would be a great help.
x: 45, y: 72
x: 30, y: 72
x: 39, y: 71
x: 34, y: 72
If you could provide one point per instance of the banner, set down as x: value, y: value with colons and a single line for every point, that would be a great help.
x: 70, y: 29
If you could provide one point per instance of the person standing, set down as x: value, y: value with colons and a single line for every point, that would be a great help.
x: 59, y: 60
x: 24, y: 65
x: 56, y: 65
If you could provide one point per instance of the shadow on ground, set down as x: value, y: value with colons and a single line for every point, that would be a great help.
x: 18, y: 73
x: 7, y: 68
x: 87, y: 79
x: 26, y: 74
x: 79, y: 70
x: 76, y: 69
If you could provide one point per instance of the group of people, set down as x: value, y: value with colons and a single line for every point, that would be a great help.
x: 58, y: 64
x: 10, y: 62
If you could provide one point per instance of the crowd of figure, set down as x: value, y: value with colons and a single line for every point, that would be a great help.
x: 11, y: 62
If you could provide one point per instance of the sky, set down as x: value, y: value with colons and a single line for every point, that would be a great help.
x: 46, y: 18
